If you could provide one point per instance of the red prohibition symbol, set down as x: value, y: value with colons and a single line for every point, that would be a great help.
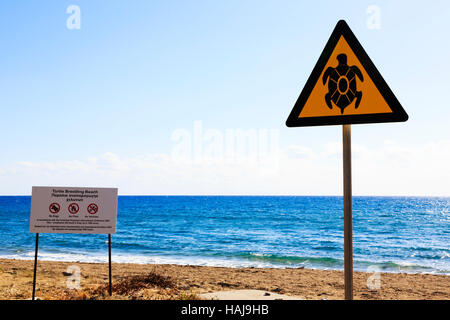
x: 74, y: 208
x: 54, y: 208
x: 92, y: 208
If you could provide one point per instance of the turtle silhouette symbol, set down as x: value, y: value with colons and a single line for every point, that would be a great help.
x: 342, y: 84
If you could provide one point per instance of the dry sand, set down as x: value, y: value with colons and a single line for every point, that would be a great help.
x: 139, y: 281
x: 246, y: 295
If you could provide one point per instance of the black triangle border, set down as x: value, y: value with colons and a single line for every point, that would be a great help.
x: 398, y: 113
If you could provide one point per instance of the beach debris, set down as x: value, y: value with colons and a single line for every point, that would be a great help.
x: 225, y: 284
x: 131, y: 284
x: 183, y: 295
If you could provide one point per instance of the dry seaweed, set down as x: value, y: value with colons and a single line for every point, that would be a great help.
x: 131, y: 284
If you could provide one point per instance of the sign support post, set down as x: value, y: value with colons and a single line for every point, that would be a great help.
x: 345, y: 88
x: 348, y: 243
x: 109, y: 255
x: 35, y: 265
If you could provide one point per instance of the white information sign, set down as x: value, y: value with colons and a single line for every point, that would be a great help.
x: 73, y: 210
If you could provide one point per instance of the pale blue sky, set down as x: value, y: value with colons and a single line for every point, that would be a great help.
x: 138, y: 70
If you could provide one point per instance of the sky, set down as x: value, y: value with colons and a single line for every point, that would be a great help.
x: 191, y: 97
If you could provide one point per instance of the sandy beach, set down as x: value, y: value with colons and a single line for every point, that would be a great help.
x: 155, y: 282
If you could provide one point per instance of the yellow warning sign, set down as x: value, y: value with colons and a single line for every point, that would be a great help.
x: 345, y: 87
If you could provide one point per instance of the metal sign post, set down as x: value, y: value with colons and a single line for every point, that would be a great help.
x: 109, y: 256
x: 348, y: 243
x: 35, y: 265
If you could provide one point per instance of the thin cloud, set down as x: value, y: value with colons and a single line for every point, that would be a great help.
x: 389, y: 169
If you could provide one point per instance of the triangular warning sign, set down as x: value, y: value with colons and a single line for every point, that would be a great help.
x: 345, y: 87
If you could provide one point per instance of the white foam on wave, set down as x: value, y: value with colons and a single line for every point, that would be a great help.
x: 64, y: 257
x: 139, y: 259
x: 403, y: 266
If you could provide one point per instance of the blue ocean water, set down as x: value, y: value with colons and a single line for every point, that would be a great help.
x: 394, y: 234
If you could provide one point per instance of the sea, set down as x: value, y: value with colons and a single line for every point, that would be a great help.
x: 390, y: 234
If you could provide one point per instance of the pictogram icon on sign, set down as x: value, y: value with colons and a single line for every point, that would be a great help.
x: 92, y: 208
x: 54, y: 208
x: 74, y: 208
x: 342, y: 84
